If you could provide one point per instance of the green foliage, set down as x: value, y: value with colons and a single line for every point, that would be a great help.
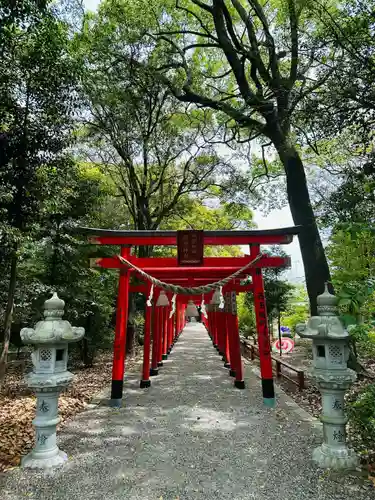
x: 54, y: 260
x: 352, y: 255
x: 37, y: 83
x: 277, y: 291
x: 193, y: 213
x: 361, y: 413
x: 349, y: 89
x: 139, y: 323
x: 353, y: 201
x: 203, y: 57
x: 277, y: 296
x: 156, y: 84
x: 297, y: 310
x: 363, y: 336
x: 246, y: 315
x: 197, y: 214
x: 151, y: 145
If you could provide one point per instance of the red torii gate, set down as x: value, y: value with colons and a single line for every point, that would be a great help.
x: 168, y: 330
x: 168, y: 269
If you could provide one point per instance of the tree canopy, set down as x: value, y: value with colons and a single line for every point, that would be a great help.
x: 253, y: 64
x: 187, y: 114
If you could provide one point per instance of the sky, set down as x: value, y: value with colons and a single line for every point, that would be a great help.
x: 283, y: 218
x: 275, y: 219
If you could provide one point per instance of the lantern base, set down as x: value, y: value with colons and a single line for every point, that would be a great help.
x: 31, y: 461
x: 232, y: 373
x: 332, y: 457
x: 239, y: 384
x: 153, y: 372
x: 145, y: 383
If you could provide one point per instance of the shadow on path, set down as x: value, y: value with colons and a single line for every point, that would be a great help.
x: 192, y: 435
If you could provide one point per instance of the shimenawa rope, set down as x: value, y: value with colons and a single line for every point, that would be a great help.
x: 185, y: 290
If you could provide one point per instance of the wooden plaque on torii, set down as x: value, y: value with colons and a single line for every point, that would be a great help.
x: 190, y: 248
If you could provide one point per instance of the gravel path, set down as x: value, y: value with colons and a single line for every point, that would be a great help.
x: 191, y: 436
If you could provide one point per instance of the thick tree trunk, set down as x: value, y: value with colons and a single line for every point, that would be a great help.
x: 8, y: 316
x: 313, y: 255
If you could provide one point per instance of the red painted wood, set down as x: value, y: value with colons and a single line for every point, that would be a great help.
x: 141, y: 240
x: 177, y: 315
x: 147, y: 341
x: 221, y: 324
x: 170, y: 328
x: 237, y: 348
x: 215, y: 329
x: 190, y: 246
x: 213, y: 264
x: 235, y: 288
x: 226, y: 328
x: 161, y: 333
x: 119, y: 345
x: 155, y: 333
x: 165, y: 329
x: 233, y: 359
x: 262, y: 322
x: 209, y: 314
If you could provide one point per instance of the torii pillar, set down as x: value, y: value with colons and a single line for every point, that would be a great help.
x: 264, y: 344
x: 119, y: 345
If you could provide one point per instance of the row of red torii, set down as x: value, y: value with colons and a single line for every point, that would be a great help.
x: 162, y: 328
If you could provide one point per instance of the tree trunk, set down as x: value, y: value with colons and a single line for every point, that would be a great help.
x: 87, y: 353
x: 270, y: 328
x: 313, y: 255
x: 8, y: 315
x: 130, y: 340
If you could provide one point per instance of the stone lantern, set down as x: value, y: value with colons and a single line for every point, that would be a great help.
x: 333, y: 377
x: 191, y: 310
x: 49, y: 377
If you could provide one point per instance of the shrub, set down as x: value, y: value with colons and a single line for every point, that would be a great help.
x: 363, y: 337
x: 139, y: 323
x: 246, y: 317
x: 361, y: 413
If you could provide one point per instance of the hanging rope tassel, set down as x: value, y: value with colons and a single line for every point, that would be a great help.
x: 173, y: 310
x: 203, y: 308
x: 222, y: 303
x: 149, y: 300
